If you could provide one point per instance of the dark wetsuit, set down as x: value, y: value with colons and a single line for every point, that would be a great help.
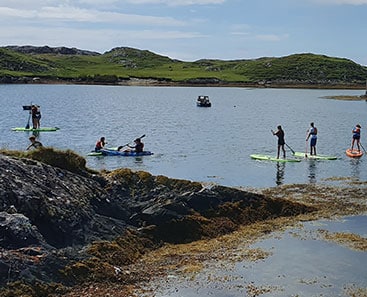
x: 139, y: 147
x: 280, y: 134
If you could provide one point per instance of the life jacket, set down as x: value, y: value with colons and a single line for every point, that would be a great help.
x: 356, y: 131
x: 36, y: 112
x: 99, y: 145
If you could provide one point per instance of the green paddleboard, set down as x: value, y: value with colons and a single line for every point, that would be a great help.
x: 317, y: 157
x: 271, y: 158
x: 93, y: 153
x: 42, y: 129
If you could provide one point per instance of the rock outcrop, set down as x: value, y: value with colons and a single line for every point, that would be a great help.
x: 51, y: 218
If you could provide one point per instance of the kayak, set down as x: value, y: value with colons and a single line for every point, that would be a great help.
x: 271, y: 158
x: 42, y: 129
x: 354, y: 153
x: 316, y: 157
x: 108, y: 152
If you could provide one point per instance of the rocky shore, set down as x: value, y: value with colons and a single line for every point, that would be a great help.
x: 69, y: 231
x: 203, y: 82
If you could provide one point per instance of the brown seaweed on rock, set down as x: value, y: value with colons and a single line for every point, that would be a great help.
x: 84, y: 227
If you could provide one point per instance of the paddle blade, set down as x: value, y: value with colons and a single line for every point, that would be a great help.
x: 27, y: 107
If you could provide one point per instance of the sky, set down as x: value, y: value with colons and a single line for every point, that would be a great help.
x: 189, y: 30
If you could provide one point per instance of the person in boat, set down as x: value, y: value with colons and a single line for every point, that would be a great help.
x: 100, y: 144
x: 36, y: 116
x: 138, y: 147
x: 281, y: 142
x: 312, y: 133
x: 34, y: 143
x: 356, y: 136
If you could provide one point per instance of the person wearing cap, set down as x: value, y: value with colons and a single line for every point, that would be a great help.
x: 34, y: 143
x: 312, y: 132
x: 356, y: 136
x: 138, y: 147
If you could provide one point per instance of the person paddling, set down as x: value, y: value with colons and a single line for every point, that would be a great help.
x: 312, y: 132
x: 138, y: 147
x: 356, y: 136
x: 281, y: 142
x: 100, y: 144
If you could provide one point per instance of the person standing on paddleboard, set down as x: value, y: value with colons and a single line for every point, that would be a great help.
x: 312, y: 132
x: 281, y: 142
x: 356, y: 136
x: 36, y: 116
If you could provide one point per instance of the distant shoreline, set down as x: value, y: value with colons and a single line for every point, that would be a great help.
x: 165, y: 83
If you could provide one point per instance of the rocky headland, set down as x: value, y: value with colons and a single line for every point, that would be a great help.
x: 65, y: 228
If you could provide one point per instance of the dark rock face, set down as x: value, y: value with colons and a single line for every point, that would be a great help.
x: 48, y: 215
x: 17, y: 231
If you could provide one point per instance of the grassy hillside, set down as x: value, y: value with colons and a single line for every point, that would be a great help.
x: 123, y: 63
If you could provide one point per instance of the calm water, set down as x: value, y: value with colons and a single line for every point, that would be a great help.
x: 201, y: 144
x: 300, y: 263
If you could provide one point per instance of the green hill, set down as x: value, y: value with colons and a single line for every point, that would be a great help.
x: 121, y: 65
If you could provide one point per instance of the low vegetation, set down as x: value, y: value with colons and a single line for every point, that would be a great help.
x: 24, y: 64
x: 68, y: 159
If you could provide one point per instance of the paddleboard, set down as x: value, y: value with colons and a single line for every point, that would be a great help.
x: 94, y: 153
x: 316, y: 157
x: 354, y: 153
x: 42, y: 129
x: 271, y: 158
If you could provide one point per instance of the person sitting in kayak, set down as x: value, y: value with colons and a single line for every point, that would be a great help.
x: 138, y: 147
x: 281, y: 142
x: 312, y: 132
x: 356, y: 136
x: 34, y: 143
x: 100, y: 144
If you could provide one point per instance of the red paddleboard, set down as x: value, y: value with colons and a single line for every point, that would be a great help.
x: 354, y: 153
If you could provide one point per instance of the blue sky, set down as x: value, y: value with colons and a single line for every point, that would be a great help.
x: 190, y: 30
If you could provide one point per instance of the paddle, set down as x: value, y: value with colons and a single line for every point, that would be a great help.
x: 307, y: 136
x: 362, y: 147
x: 121, y: 146
x: 306, y: 148
x: 29, y: 115
x: 293, y: 152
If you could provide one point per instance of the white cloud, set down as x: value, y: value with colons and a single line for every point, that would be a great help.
x: 72, y: 14
x: 89, y: 39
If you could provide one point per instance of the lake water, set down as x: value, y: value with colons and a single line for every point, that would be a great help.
x: 202, y: 144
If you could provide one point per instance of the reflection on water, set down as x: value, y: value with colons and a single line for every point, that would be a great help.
x: 355, y: 166
x: 280, y: 173
x: 312, y: 171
